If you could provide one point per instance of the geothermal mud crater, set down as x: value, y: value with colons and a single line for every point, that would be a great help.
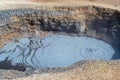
x: 95, y: 34
x: 55, y: 51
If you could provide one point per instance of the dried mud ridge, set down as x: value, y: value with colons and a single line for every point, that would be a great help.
x: 97, y: 22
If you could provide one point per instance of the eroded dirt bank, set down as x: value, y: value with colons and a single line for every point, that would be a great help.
x: 98, y: 22
x: 90, y: 21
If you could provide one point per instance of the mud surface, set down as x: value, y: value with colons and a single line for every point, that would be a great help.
x: 54, y: 51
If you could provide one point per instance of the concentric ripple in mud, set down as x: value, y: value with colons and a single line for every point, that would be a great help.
x: 54, y: 50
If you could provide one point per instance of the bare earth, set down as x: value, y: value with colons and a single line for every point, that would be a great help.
x: 51, y: 3
x: 91, y: 70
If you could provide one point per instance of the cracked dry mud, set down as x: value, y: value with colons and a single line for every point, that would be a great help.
x: 86, y: 19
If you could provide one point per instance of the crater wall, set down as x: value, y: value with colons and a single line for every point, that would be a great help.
x: 98, y: 22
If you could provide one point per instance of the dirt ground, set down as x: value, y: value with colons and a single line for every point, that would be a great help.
x: 93, y: 70
x: 51, y: 3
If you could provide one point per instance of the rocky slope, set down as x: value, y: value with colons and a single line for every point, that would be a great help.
x: 82, y: 21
